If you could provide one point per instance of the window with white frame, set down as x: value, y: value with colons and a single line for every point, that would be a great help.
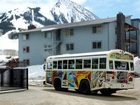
x: 26, y: 49
x: 97, y: 45
x: 69, y: 46
x: 26, y: 36
x: 48, y: 35
x: 69, y: 32
x: 96, y: 29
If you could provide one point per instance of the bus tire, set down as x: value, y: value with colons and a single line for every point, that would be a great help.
x: 84, y: 87
x: 107, y: 92
x: 57, y: 84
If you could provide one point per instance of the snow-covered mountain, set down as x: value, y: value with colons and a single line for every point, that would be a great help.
x: 64, y: 11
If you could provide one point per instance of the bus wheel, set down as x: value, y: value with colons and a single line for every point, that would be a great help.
x: 57, y: 84
x: 107, y: 92
x: 84, y: 87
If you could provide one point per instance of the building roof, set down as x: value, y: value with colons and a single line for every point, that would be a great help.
x: 70, y: 25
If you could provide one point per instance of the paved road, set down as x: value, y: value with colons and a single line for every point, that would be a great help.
x: 48, y: 96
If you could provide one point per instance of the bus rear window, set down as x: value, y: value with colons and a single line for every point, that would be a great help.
x: 121, y: 65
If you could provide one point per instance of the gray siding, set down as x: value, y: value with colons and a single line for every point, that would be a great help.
x: 136, y: 23
x: 84, y: 37
x: 36, y: 43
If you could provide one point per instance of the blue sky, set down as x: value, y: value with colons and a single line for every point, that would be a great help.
x: 109, y: 8
x: 102, y: 8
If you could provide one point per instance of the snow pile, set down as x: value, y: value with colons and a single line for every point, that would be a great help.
x: 6, y: 43
x: 4, y: 59
x: 36, y: 75
x: 137, y: 64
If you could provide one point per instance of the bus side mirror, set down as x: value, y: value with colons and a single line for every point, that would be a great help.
x: 44, y: 67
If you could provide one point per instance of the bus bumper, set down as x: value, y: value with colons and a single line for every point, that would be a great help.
x: 119, y: 86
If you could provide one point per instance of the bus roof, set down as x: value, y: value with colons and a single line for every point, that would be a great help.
x: 101, y: 53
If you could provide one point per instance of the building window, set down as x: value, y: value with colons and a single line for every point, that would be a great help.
x: 48, y: 35
x: 70, y: 46
x: 26, y: 62
x: 48, y: 48
x: 69, y: 32
x: 26, y: 49
x: 96, y: 29
x: 25, y: 36
x: 96, y: 45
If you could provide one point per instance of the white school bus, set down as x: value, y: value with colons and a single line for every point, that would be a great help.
x: 107, y: 71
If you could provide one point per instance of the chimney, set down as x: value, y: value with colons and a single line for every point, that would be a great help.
x: 120, y: 30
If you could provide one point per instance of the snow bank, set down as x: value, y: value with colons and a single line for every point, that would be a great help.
x: 36, y: 75
x: 36, y: 71
x: 137, y: 64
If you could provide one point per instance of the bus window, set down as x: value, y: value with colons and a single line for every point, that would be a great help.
x: 95, y: 63
x: 54, y: 64
x: 120, y: 65
x: 65, y: 64
x: 102, y: 63
x: 110, y: 64
x: 59, y: 64
x: 132, y: 66
x: 79, y: 64
x: 71, y: 64
x: 49, y: 65
x: 87, y: 63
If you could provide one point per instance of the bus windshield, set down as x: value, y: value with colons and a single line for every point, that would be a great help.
x: 121, y: 65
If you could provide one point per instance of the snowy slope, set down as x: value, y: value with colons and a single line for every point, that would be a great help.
x: 64, y: 11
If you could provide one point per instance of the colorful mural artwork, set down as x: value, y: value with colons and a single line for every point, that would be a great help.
x: 121, y: 56
x: 92, y: 71
x: 64, y: 79
x: 122, y: 77
x: 57, y: 74
x: 98, y: 79
x: 82, y: 75
x: 71, y: 79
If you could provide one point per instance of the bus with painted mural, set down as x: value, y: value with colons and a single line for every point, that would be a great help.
x: 107, y: 71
